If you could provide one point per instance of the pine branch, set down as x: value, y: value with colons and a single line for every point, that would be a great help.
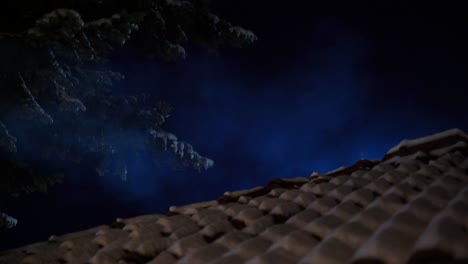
x: 18, y: 179
x: 7, y: 141
x: 61, y: 83
x: 7, y: 221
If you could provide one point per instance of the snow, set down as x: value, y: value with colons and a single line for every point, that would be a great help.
x: 186, y: 209
x: 181, y: 149
x: 189, y: 151
x: 73, y: 103
x: 414, y: 142
x: 442, y: 151
x: 214, y: 18
x: 398, y: 159
x: 60, y: 13
x: 6, y: 139
x: 35, y: 33
x: 175, y: 146
x: 164, y: 136
x: 246, y: 34
x: 178, y: 49
x: 337, y: 170
x: 207, y: 163
x: 314, y: 174
x: 177, y: 2
x: 181, y: 51
x: 32, y: 104
x: 65, y: 12
x: 243, y: 192
x: 100, y: 22
x: 10, y: 222
x: 296, y: 180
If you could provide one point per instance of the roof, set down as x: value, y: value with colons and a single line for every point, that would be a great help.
x: 410, y: 207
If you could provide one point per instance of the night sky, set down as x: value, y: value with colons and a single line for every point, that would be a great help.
x: 326, y: 85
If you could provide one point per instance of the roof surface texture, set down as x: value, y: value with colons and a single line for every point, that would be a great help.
x: 411, y: 207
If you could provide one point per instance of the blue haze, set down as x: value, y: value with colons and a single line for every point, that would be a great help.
x: 284, y: 107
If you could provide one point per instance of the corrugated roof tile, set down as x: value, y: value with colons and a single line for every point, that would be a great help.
x: 248, y: 215
x: 257, y: 200
x: 379, y: 186
x: 291, y: 194
x: 298, y: 243
x: 412, y: 207
x: 268, y: 204
x: 148, y: 246
x: 163, y: 258
x: 205, y: 254
x: 331, y: 251
x: 259, y: 225
x: 109, y: 254
x: 352, y: 233
x: 108, y: 236
x: 277, y: 256
x: 276, y: 232
x: 277, y: 192
x: 339, y: 180
x: 340, y: 192
x: 187, y: 245
x: 230, y: 259
x: 303, y: 199
x: 301, y: 219
x: 233, y: 238
x: 206, y: 216
x: 217, y: 228
x: 251, y: 247
x: 285, y: 209
x: 345, y: 210
x: 322, y: 226
x: 322, y: 205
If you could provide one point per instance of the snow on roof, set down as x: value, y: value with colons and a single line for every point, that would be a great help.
x: 409, y: 208
x: 336, y: 170
x: 406, y: 143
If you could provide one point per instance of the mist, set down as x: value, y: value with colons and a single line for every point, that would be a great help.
x: 283, y: 109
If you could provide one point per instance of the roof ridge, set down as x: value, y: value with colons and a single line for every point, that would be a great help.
x: 406, y: 147
x: 393, y: 211
x: 428, y: 143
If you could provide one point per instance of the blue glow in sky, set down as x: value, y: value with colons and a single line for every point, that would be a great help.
x: 324, y: 94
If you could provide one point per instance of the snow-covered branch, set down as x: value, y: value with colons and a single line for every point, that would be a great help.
x: 7, y: 221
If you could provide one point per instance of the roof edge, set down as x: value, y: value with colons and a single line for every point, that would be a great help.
x: 427, y: 144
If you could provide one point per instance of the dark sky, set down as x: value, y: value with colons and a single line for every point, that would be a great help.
x: 325, y: 85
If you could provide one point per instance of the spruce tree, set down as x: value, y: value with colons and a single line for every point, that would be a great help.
x: 55, y: 83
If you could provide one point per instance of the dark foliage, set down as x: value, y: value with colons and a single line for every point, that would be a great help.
x: 55, y: 82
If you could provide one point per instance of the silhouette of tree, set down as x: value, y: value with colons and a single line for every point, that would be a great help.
x: 56, y: 84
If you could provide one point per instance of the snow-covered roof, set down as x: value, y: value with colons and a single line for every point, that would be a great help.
x: 407, y: 143
x: 411, y: 207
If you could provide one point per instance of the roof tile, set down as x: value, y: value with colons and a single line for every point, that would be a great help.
x: 276, y: 232
x: 251, y: 247
x: 331, y: 251
x: 205, y: 254
x: 259, y: 225
x: 322, y: 226
x: 298, y: 243
x: 187, y: 245
x: 232, y: 239
x: 277, y: 256
x: 412, y: 207
x: 301, y: 219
